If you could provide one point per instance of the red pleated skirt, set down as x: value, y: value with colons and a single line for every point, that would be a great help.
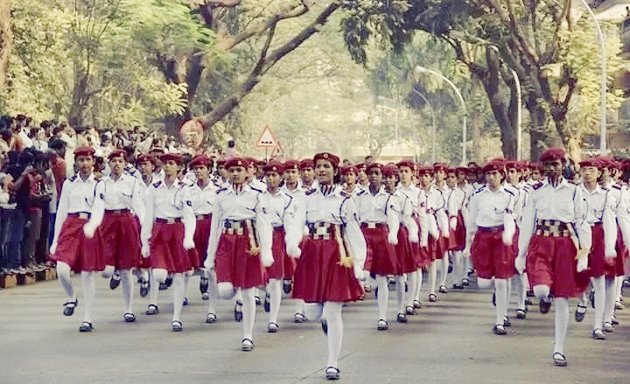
x: 381, y: 258
x: 235, y: 265
x: 167, y: 249
x: 319, y: 277
x: 279, y: 251
x: 490, y: 257
x: 405, y: 252
x: 551, y: 262
x: 79, y: 252
x: 121, y: 240
x: 622, y: 254
x: 201, y: 239
x: 457, y: 237
x: 598, y: 264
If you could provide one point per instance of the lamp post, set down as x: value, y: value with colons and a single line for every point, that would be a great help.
x: 602, y: 85
x: 420, y: 69
x: 432, y: 121
x: 519, y: 98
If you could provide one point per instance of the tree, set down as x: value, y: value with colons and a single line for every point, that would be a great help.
x: 6, y: 39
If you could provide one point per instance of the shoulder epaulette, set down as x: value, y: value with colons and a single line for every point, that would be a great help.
x: 509, y: 190
x: 345, y: 194
x: 606, y: 188
x: 221, y: 190
x: 537, y: 186
x: 256, y: 189
x: 617, y: 186
x: 73, y: 178
x: 480, y: 189
x: 310, y: 191
x: 155, y: 185
x: 361, y: 193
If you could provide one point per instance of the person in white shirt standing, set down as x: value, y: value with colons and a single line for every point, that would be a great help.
x: 77, y: 243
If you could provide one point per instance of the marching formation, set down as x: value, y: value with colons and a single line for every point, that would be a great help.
x: 327, y: 234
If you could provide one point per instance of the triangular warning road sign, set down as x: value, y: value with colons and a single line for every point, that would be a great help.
x: 266, y: 139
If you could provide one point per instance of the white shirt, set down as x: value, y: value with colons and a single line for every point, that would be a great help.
x: 167, y: 202
x: 201, y: 199
x: 600, y: 210
x: 487, y: 208
x: 124, y: 193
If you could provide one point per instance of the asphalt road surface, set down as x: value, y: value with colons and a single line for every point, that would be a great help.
x: 446, y: 342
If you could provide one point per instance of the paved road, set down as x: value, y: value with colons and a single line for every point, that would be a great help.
x: 447, y: 342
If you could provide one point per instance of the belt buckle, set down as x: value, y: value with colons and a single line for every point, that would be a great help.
x: 170, y: 220
x: 321, y: 230
x: 83, y: 215
x: 200, y: 217
x: 371, y: 225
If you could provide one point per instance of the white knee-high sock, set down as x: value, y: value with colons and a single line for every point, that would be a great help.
x: 521, y: 294
x: 63, y: 274
x: 383, y: 296
x: 609, y: 308
x: 562, y: 324
x: 444, y: 269
x: 332, y: 312
x: 179, y: 285
x: 186, y: 281
x: 484, y: 283
x: 157, y: 276
x: 466, y: 265
x: 249, y: 312
x: 400, y: 293
x: 313, y: 311
x: 508, y: 295
x: 412, y: 285
x: 618, y: 287
x: 599, y: 284
x: 274, y: 288
x: 89, y: 292
x: 501, y: 292
x: 108, y: 272
x: 458, y: 267
x: 299, y: 307
x: 213, y: 292
x: 419, y: 276
x: 227, y: 292
x: 433, y: 276
x: 542, y: 292
x: 126, y: 280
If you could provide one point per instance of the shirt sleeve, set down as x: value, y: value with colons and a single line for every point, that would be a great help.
x: 149, y: 216
x: 98, y: 207
x: 62, y: 210
x: 353, y: 234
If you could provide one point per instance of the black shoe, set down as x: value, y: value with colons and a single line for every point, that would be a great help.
x: 458, y: 286
x: 129, y: 317
x: 471, y: 272
x: 257, y: 300
x: 507, y: 322
x: 332, y: 373
x: 114, y: 282
x: 185, y: 301
x: 203, y: 285
x: 152, y: 309
x: 401, y: 318
x: 544, y: 305
x: 530, y: 293
x: 86, y: 326
x: 163, y: 286
x: 144, y: 288
x: 494, y: 299
x: 433, y: 298
x: 176, y: 326
x: 499, y: 329
x: 410, y: 310
x: 247, y: 345
x: 299, y: 318
x: 168, y: 281
x: 211, y: 318
x: 591, y: 298
x: 382, y: 325
x: 443, y: 289
x: 417, y: 304
x: 287, y: 286
x: 267, y: 303
x: 579, y: 316
x: 465, y: 282
x: 238, y: 312
x: 528, y: 301
x: 69, y: 306
x: 272, y: 327
x: 521, y: 314
x: 559, y: 360
x: 325, y: 327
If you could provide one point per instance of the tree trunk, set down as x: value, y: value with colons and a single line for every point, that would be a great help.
x: 475, y: 127
x: 6, y: 39
x: 80, y: 98
x: 572, y: 143
x: 538, y: 120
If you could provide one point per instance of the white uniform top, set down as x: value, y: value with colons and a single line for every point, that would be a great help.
x: 416, y: 197
x: 201, y: 198
x: 124, y: 193
x: 519, y: 200
x: 436, y: 209
x: 299, y: 209
x: 378, y: 208
x: 258, y: 184
x: 167, y: 202
x: 78, y: 195
x: 488, y: 208
x: 620, y: 202
x: 246, y: 204
x: 337, y: 207
x: 133, y: 171
x: 600, y: 210
x: 565, y: 203
x: 281, y: 211
x: 404, y: 209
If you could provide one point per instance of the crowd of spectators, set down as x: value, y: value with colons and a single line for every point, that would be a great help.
x: 35, y: 160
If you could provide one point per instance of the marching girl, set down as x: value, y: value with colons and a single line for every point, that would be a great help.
x: 285, y: 239
x: 328, y: 271
x: 240, y: 243
x: 407, y: 239
x: 77, y: 243
x: 124, y: 206
x: 201, y: 197
x: 553, y: 232
x: 146, y: 163
x: 456, y: 199
x: 491, y: 223
x: 167, y: 234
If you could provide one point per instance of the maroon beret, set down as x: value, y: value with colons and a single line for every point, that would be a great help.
x: 390, y: 170
x: 306, y: 163
x: 373, y: 166
x: 273, y: 166
x: 424, y: 170
x: 552, y: 154
x: 84, y: 151
x: 407, y: 163
x: 494, y: 165
x: 347, y: 169
x: 292, y: 164
x: 146, y: 157
x: 176, y: 157
x: 237, y: 162
x: 118, y: 153
x: 334, y: 160
x: 439, y: 167
x: 200, y: 160
x: 594, y: 162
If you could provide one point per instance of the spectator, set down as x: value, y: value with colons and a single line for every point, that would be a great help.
x: 38, y: 137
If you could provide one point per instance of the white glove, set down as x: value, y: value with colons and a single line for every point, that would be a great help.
x: 266, y: 258
x: 294, y: 251
x: 466, y: 251
x: 358, y: 272
x: 209, y: 264
x: 519, y: 264
x: 413, y: 237
x: 145, y: 250
x: 453, y: 223
x: 53, y: 247
x: 392, y: 238
x: 507, y: 238
x: 189, y: 244
x: 89, y: 230
x: 582, y: 264
x: 611, y: 253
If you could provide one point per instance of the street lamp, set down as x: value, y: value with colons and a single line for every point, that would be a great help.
x: 432, y: 120
x: 519, y: 97
x: 396, y: 112
x: 602, y: 85
x: 420, y: 69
